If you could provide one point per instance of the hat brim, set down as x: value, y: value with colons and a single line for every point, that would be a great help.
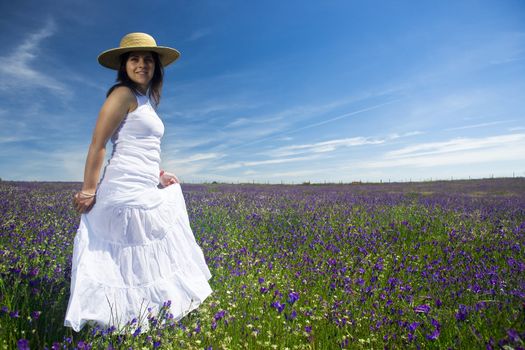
x: 111, y: 58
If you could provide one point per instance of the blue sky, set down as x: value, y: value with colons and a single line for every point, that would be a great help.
x: 277, y: 91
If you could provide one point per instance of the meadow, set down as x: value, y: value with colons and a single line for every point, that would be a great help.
x: 432, y: 265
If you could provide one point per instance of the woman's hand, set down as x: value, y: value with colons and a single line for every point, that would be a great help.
x: 83, y: 202
x: 167, y: 179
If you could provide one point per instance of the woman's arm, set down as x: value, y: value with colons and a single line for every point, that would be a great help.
x: 117, y: 105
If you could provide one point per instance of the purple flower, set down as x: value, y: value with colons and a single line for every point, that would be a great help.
x: 261, y: 280
x: 411, y: 336
x: 424, y: 308
x: 292, y: 316
x: 219, y: 315
x: 293, y: 297
x: 513, y: 335
x: 462, y: 313
x: 35, y: 315
x: 278, y: 306
x: 156, y: 344
x: 33, y: 272
x: 14, y: 314
x: 308, y: 329
x: 413, y: 326
x: 84, y: 346
x: 434, y: 335
x: 23, y: 344
x: 137, y: 332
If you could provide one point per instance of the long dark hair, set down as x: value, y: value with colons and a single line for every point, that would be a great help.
x: 155, y: 84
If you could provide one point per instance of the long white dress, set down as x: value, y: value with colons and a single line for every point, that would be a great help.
x: 135, y: 249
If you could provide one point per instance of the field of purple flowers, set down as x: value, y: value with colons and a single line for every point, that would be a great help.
x: 416, y: 265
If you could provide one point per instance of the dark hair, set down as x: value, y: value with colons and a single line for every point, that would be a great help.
x: 155, y: 84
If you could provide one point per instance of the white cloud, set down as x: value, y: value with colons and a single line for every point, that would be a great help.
x: 322, y: 147
x: 263, y: 162
x: 16, y: 70
x: 332, y: 145
x: 480, y: 125
x: 199, y: 33
x: 454, y: 152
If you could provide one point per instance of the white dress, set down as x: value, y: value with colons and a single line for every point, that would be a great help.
x: 135, y: 249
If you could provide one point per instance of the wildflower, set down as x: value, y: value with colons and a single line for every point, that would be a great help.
x: 14, y: 314
x: 513, y: 335
x: 412, y: 326
x: 293, y: 297
x: 434, y: 335
x: 424, y: 308
x: 23, y: 344
x: 308, y: 329
x: 462, y: 313
x: 278, y: 306
x: 137, y: 332
x: 82, y: 345
x: 35, y: 315
x: 219, y: 315
x: 292, y: 316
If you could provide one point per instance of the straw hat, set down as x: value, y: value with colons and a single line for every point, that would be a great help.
x: 137, y: 42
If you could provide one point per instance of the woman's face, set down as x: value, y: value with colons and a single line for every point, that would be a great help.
x: 140, y: 67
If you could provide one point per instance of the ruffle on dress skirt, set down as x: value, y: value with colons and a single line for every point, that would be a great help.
x: 129, y: 258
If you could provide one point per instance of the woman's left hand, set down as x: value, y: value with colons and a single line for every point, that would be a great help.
x: 167, y: 179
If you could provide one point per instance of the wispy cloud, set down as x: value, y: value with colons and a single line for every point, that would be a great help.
x: 193, y: 165
x: 199, y: 33
x: 480, y: 125
x: 322, y: 147
x: 312, y: 125
x: 453, y: 152
x: 17, y: 71
x: 263, y: 162
x: 333, y: 145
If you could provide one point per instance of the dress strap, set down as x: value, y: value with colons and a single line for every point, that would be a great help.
x: 141, y: 99
x: 144, y: 99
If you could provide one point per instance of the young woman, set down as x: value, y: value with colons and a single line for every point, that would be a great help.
x: 134, y: 249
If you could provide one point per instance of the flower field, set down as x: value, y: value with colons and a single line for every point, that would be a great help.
x: 432, y: 265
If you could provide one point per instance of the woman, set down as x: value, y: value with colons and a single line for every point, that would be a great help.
x: 134, y: 249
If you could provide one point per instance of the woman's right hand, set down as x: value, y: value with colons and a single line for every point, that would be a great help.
x: 167, y: 179
x: 82, y: 202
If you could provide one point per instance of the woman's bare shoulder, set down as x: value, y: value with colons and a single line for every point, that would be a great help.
x: 122, y: 96
x: 122, y: 93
